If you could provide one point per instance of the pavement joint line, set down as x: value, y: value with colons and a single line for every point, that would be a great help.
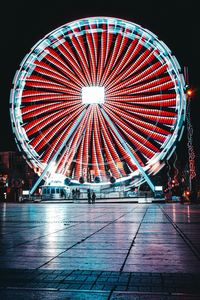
x: 132, y: 243
x: 110, y: 294
x: 38, y: 238
x: 82, y: 240
x: 182, y: 235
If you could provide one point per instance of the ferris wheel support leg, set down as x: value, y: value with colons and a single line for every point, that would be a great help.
x: 57, y: 153
x: 123, y: 142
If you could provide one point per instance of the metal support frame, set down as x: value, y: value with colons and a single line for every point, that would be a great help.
x: 57, y: 153
x: 123, y: 142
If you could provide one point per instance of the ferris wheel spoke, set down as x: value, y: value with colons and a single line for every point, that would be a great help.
x: 138, y: 141
x: 112, y: 59
x: 150, y: 73
x: 121, y: 64
x: 98, y: 145
x: 59, y: 113
x: 91, y: 54
x: 136, y: 121
x: 48, y: 136
x: 149, y: 130
x: 168, y: 103
x: 127, y: 147
x: 142, y: 98
x: 78, y: 165
x: 108, y: 43
x: 41, y: 122
x: 51, y: 132
x: 41, y: 108
x: 45, y: 86
x: 164, y: 120
x: 102, y: 54
x: 82, y: 160
x: 61, y: 163
x: 41, y: 83
x: 46, y: 70
x: 160, y: 84
x: 50, y: 88
x: 74, y: 139
x: 95, y: 167
x: 134, y: 66
x: 126, y: 159
x: 46, y: 156
x: 53, y: 77
x: 109, y: 158
x: 118, y: 62
x: 70, y: 58
x: 95, y: 41
x: 52, y: 58
x: 141, y: 109
x: 122, y: 68
x: 77, y: 139
x: 146, y: 128
x: 87, y: 144
x: 78, y: 44
x: 121, y: 46
x: 63, y: 65
x: 111, y: 153
x: 33, y: 97
x: 55, y: 143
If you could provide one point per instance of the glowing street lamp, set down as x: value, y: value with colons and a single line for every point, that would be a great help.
x: 189, y: 93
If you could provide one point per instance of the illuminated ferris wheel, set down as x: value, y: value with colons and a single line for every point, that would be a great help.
x: 101, y: 99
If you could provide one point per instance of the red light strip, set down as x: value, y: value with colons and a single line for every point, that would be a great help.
x: 109, y: 148
x: 78, y: 44
x: 45, y: 69
x: 135, y: 138
x: 102, y: 54
x: 98, y: 144
x: 54, y: 59
x: 91, y: 54
x: 68, y: 54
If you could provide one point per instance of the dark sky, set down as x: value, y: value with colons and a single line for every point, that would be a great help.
x: 23, y: 23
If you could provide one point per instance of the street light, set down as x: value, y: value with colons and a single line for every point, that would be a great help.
x: 189, y: 93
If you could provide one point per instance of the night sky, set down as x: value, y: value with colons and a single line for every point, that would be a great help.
x: 24, y: 23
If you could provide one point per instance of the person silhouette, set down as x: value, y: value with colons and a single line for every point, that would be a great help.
x: 89, y: 196
x: 93, y: 197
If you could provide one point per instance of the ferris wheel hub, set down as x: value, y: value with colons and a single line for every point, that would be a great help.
x: 93, y: 94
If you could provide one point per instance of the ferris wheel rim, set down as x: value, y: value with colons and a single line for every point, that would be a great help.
x: 16, y: 103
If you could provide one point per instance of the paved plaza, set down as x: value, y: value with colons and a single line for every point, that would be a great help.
x: 100, y: 251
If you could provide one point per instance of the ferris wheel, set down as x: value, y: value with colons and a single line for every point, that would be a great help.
x: 101, y: 99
